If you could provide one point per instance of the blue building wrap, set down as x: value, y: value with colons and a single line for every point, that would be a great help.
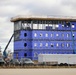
x: 32, y: 42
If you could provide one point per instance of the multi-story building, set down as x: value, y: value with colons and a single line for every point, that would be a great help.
x: 43, y: 35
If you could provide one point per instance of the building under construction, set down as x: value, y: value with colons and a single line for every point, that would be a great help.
x: 36, y: 35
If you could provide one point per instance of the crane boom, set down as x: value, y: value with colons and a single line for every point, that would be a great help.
x: 4, y: 52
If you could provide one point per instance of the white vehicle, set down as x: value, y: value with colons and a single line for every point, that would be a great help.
x: 57, y: 58
x: 26, y: 61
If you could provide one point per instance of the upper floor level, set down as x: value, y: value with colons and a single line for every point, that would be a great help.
x: 43, y: 23
x: 44, y: 35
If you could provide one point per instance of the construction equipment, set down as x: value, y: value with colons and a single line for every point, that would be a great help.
x: 4, y: 52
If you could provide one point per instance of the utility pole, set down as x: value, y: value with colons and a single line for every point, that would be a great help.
x: 72, y: 39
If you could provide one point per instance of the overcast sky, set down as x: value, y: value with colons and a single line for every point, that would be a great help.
x: 11, y: 8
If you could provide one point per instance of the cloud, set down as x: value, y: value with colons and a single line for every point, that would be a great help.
x: 69, y: 7
x: 11, y: 8
x: 69, y: 3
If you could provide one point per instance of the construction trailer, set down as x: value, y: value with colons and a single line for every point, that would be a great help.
x: 57, y: 58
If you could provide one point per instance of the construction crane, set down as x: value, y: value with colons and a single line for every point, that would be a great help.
x: 73, y: 42
x: 4, y: 52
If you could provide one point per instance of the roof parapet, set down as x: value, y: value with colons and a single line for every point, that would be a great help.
x: 49, y: 17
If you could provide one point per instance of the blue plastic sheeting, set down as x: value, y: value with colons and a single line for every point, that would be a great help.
x: 47, y: 41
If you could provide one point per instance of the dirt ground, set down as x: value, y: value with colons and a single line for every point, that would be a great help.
x: 60, y: 71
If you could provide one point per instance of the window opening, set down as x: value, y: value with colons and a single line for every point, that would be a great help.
x: 25, y: 34
x: 25, y: 44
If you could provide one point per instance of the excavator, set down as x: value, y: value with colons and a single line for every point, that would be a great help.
x: 4, y: 52
x: 4, y: 58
